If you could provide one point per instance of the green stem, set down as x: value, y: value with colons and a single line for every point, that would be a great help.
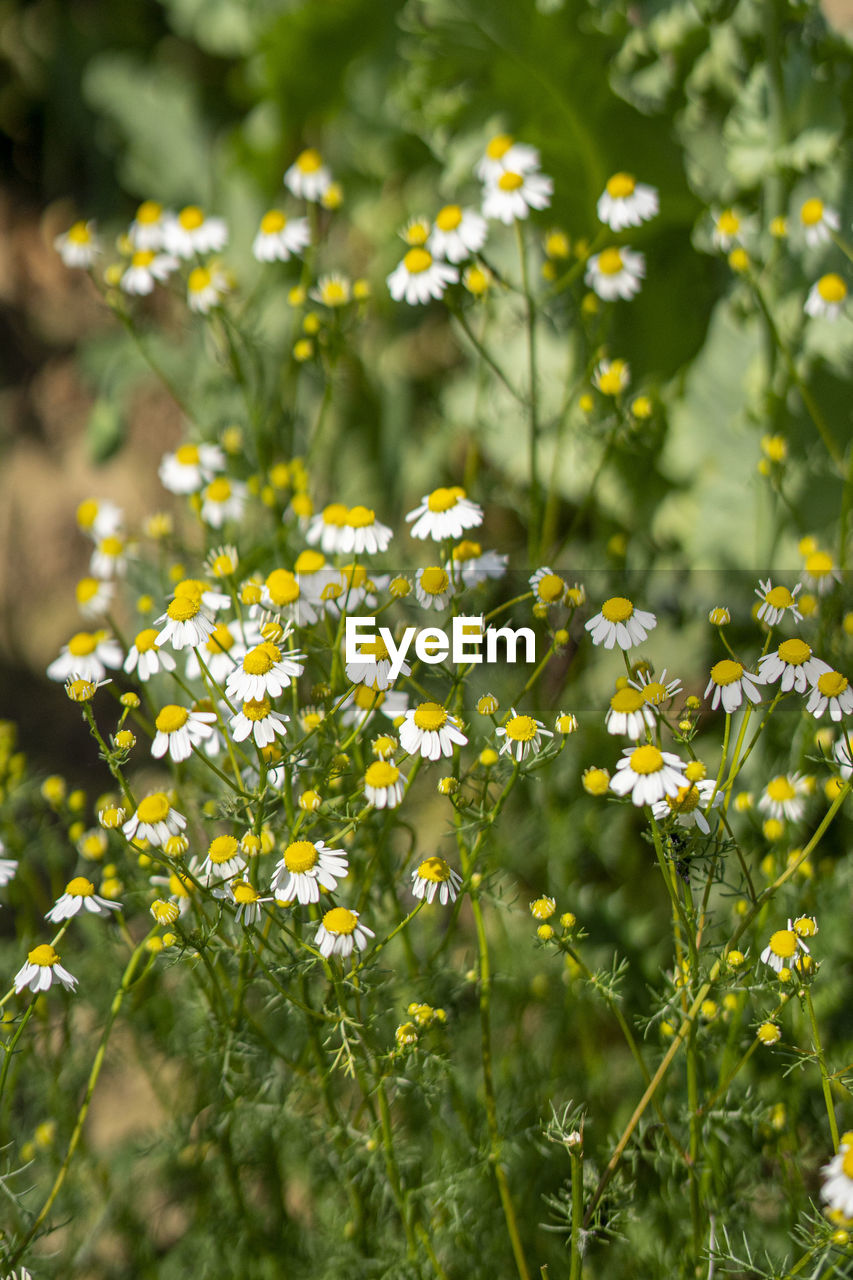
x: 821, y: 1062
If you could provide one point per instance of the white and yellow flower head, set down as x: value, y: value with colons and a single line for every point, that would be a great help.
x: 333, y: 290
x: 266, y: 671
x: 457, y: 233
x: 819, y: 571
x: 420, y: 276
x: 340, y: 932
x: 831, y: 691
x: 430, y: 731
x: 78, y: 246
x: 729, y: 682
x: 548, y: 587
x: 148, y: 229
x: 206, y: 287
x: 179, y: 730
x: 433, y: 587
x: 783, y: 949
x: 384, y: 785
x: 818, y: 221
x: 154, y: 820
x: 689, y: 804
x: 80, y: 895
x: 793, y: 664
x: 94, y: 596
x: 435, y: 876
x: 615, y: 273
x: 190, y: 467
x: 361, y: 533
x: 258, y: 721
x: 504, y: 153
x: 728, y: 229
x: 87, y: 656
x: 837, y: 1189
x: 326, y: 528
x: 223, y: 500
x: 444, y: 513
x: 145, y: 656
x: 827, y: 297
x: 620, y: 623
x: 146, y: 269
x: 522, y: 736
x: 42, y: 970
x: 513, y: 193
x: 98, y: 518
x: 280, y: 238
x: 777, y: 603
x: 308, y: 177
x: 191, y: 232
x: 629, y: 713
x: 185, y: 624
x: 648, y: 775
x: 611, y: 376
x: 624, y: 202
x: 784, y: 797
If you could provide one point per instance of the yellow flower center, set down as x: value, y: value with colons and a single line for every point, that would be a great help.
x: 273, y: 222
x: 187, y: 455
x: 434, y: 581
x: 728, y: 223
x: 832, y: 288
x: 172, y: 718
x: 617, y: 609
x: 340, y: 920
x: 222, y: 849
x: 334, y: 293
x: 794, y: 652
x: 153, y: 808
x: 182, y: 608
x: 685, y: 801
x: 142, y: 258
x: 145, y: 640
x: 621, y: 185
x: 551, y: 588
x: 283, y: 587
x: 360, y: 517
x: 726, y: 672
x: 610, y: 262
x: 381, y: 774
x: 258, y: 662
x: 376, y: 648
x: 111, y: 546
x: 510, y: 181
x: 148, y: 212
x: 811, y: 212
x: 256, y: 709
x: 818, y: 564
x: 191, y: 218
x: 780, y: 789
x: 847, y: 1163
x: 221, y: 640
x: 87, y: 513
x: 435, y: 870
x: 309, y: 561
x: 444, y: 499
x: 79, y: 233
x: 596, y: 781
x: 467, y: 550
x: 832, y: 683
x: 521, y: 729
x: 430, y: 716
x: 309, y: 161
x: 82, y: 644
x: 783, y: 943
x: 367, y: 699
x: 44, y: 955
x: 80, y: 887
x: 335, y: 514
x: 627, y: 700
x: 646, y: 759
x: 199, y: 279
x: 655, y: 692
x: 449, y: 217
x: 244, y: 892
x: 499, y: 146
x: 417, y: 260
x: 417, y: 232
x: 779, y: 598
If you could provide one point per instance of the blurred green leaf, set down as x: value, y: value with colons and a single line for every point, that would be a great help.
x: 105, y: 430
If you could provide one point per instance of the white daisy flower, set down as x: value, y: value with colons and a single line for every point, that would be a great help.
x: 837, y: 1189
x: 305, y: 868
x: 444, y: 513
x: 548, y: 587
x: 826, y: 297
x: 42, y: 970
x: 224, y: 859
x: 793, y: 665
x: 148, y: 229
x: 656, y: 691
x: 625, y: 202
x: 430, y: 731
x: 145, y: 657
x: 279, y: 238
x: 502, y: 153
x: 154, y: 820
x: 206, y: 287
x: 87, y: 656
x: 98, y: 518
x: 265, y: 671
x: 783, y: 797
x: 433, y: 587
x: 832, y: 690
x: 512, y: 195
x: 777, y: 602
x: 340, y: 932
x: 648, y: 774
x: 611, y: 376
x: 80, y: 895
x: 258, y: 721
x: 333, y: 290
x: 689, y: 803
x: 820, y: 573
x: 190, y: 467
x: 615, y: 273
x: 522, y: 736
x: 185, y: 624
x: 629, y: 713
x: 94, y: 597
x: 470, y: 565
x: 8, y: 867
x: 179, y: 730
x: 818, y: 222
x: 457, y: 233
x: 842, y: 752
x: 360, y: 705
x: 620, y: 623
x: 327, y: 527
x: 308, y: 177
x: 783, y: 949
x: 435, y: 876
x: 730, y: 682
x: 362, y: 533
x: 374, y: 667
x: 109, y: 559
x: 245, y: 898
x: 223, y: 649
x: 728, y: 229
x: 223, y: 500
x: 190, y: 232
x: 383, y: 785
x: 420, y: 277
x: 147, y: 268
x: 78, y: 246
